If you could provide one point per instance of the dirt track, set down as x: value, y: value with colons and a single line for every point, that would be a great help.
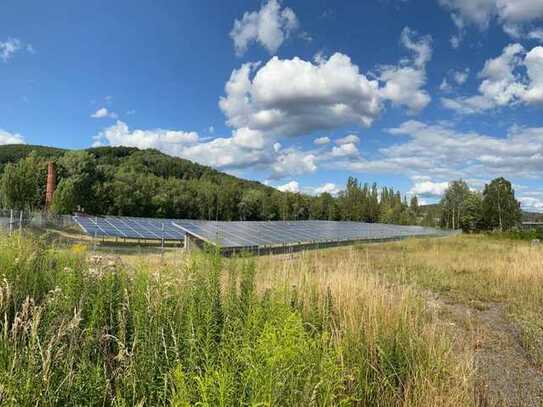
x: 505, y: 375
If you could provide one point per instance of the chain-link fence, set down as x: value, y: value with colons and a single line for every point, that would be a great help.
x: 12, y: 220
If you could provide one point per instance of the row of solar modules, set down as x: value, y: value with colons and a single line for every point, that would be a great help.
x: 129, y: 227
x: 269, y: 234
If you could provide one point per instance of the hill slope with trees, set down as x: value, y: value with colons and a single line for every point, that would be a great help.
x: 132, y: 182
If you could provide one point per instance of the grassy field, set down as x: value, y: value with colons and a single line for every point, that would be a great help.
x: 416, y: 323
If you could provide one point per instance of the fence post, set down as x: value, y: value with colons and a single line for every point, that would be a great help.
x: 10, y: 222
x: 21, y: 222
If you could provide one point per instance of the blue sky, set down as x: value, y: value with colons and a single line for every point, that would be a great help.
x: 297, y: 94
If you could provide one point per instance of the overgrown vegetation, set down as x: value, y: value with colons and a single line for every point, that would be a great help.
x: 80, y: 332
x: 474, y: 270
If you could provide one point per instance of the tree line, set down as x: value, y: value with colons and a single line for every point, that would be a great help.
x: 130, y: 182
x: 147, y: 183
x: 495, y: 208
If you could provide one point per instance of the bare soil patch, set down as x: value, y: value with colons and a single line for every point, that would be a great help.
x: 505, y: 374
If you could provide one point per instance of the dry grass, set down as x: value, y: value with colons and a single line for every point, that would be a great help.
x: 370, y: 308
x: 474, y: 270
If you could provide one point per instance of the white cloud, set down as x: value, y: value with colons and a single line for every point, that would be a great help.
x: 291, y: 186
x: 321, y: 141
x: 504, y: 83
x: 246, y: 137
x: 403, y: 83
x: 225, y: 153
x: 269, y: 26
x: 244, y: 149
x: 460, y: 77
x: 11, y: 46
x: 515, y: 16
x: 445, y: 153
x: 421, y: 47
x: 349, y: 139
x: 328, y: 188
x: 10, y: 138
x: 403, y: 87
x: 345, y: 150
x: 102, y: 113
x: 454, y: 77
x: 168, y: 141
x: 445, y: 86
x: 534, y: 66
x: 293, y: 162
x: 429, y: 189
x: 536, y: 34
x: 292, y: 96
x: 532, y: 202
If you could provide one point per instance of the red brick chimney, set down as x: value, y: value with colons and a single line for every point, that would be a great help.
x: 51, y: 183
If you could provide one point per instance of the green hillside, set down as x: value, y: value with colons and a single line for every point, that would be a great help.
x: 132, y: 182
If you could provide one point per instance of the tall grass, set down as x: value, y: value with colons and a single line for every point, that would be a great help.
x: 474, y: 270
x: 212, y: 332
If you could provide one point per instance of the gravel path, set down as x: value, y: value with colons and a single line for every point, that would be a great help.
x: 504, y: 372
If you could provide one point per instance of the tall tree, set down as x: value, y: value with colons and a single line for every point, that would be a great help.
x: 76, y: 190
x: 472, y: 212
x: 22, y: 185
x: 500, y: 209
x: 453, y: 204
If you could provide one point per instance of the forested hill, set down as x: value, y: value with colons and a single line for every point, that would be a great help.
x: 132, y: 182
x: 156, y: 162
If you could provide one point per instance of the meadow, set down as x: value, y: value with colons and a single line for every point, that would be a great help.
x: 379, y: 325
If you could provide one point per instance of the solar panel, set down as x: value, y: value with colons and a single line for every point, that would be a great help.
x: 276, y: 233
x: 129, y: 227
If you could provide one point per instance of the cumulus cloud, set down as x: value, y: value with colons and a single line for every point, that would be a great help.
x: 269, y: 26
x: 10, y: 138
x: 428, y: 189
x: 292, y: 96
x: 515, y: 16
x: 403, y: 83
x: 168, y: 141
x: 534, y: 66
x: 345, y: 150
x: 225, y: 153
x: 328, y: 188
x: 11, y: 46
x: 102, y: 113
x: 321, y: 141
x: 504, y: 83
x: 293, y: 162
x: 291, y: 186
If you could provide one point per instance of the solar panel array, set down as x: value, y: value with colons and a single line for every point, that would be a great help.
x: 276, y: 233
x: 129, y: 227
